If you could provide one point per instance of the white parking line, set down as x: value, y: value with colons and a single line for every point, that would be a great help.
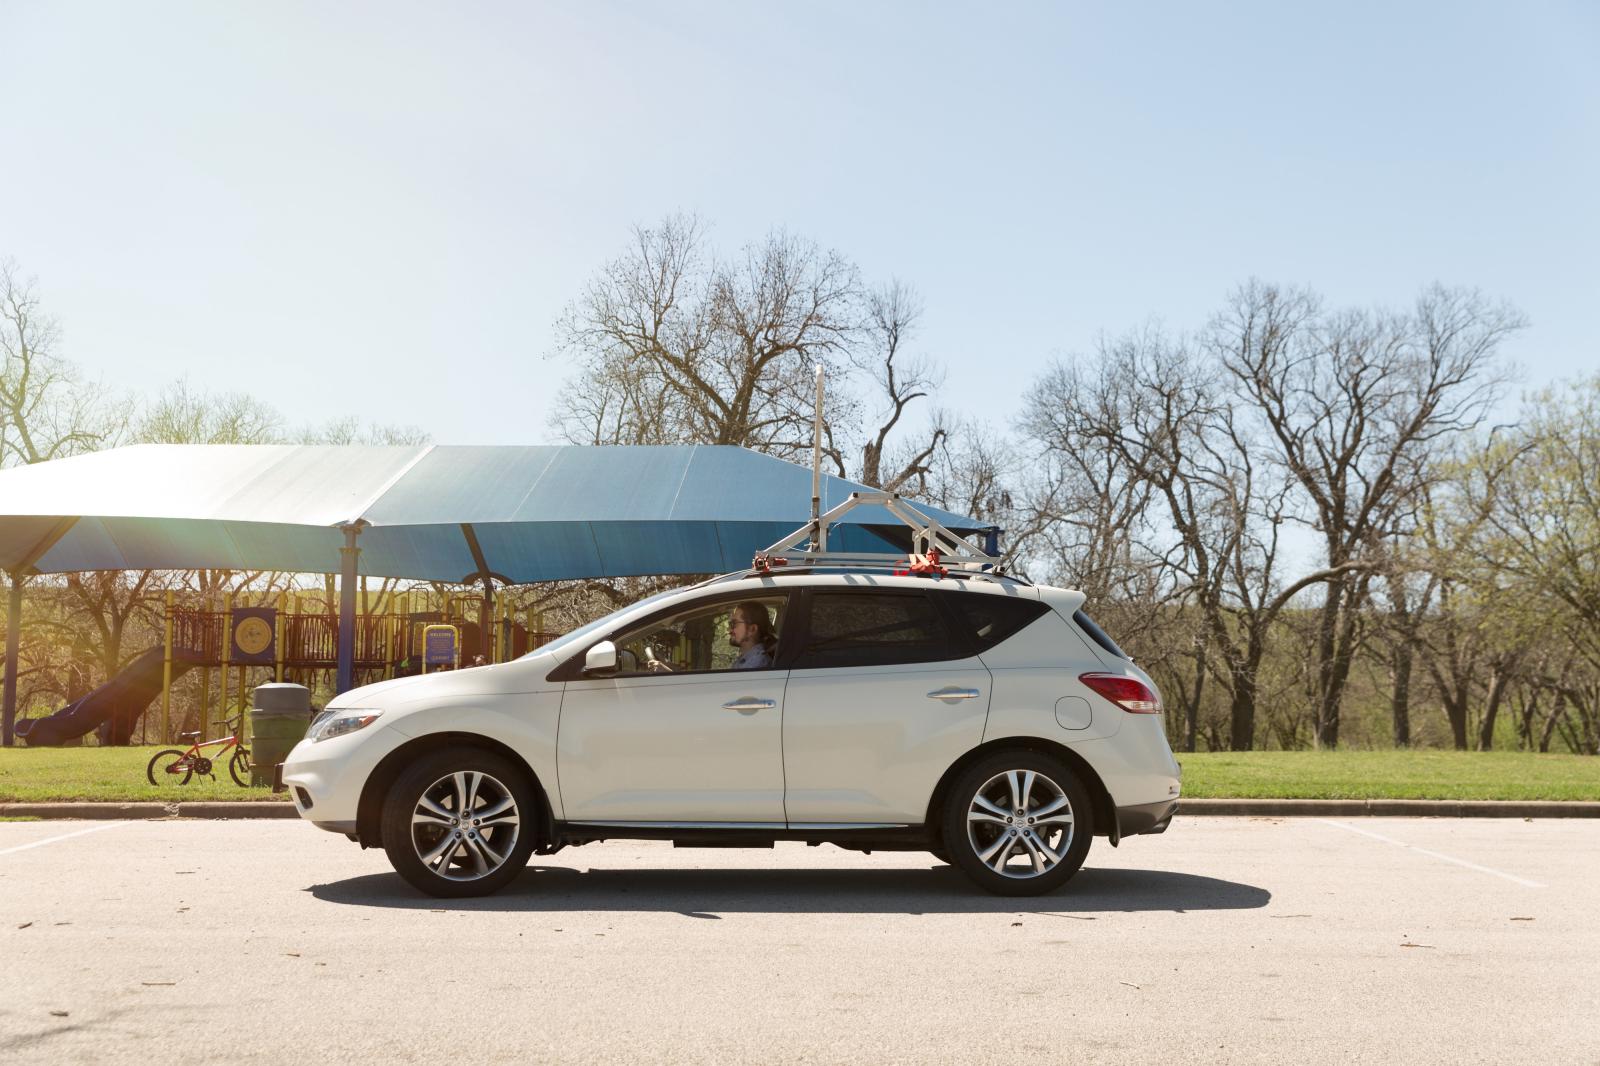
x: 1434, y: 854
x: 63, y: 836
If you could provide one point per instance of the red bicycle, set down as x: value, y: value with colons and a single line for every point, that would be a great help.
x: 175, y: 766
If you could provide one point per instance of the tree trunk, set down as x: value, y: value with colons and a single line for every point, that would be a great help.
x: 1191, y: 713
x: 1242, y: 709
x: 1456, y: 710
x: 1550, y: 723
x: 1453, y: 694
x: 1497, y: 689
x: 1400, y: 694
x: 1327, y: 707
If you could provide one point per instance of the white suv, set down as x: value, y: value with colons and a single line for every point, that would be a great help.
x: 981, y: 718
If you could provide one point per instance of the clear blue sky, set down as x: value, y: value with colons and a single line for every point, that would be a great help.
x: 331, y: 205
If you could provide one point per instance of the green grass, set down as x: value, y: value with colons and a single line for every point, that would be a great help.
x: 1453, y: 775
x: 116, y: 775
x: 112, y: 775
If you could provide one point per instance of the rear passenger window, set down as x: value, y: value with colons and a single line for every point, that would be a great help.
x: 873, y: 629
x: 1098, y: 635
x: 988, y: 620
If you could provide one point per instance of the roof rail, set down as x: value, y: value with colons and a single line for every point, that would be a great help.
x: 935, y: 549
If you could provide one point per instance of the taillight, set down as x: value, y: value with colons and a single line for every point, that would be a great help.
x: 1129, y: 693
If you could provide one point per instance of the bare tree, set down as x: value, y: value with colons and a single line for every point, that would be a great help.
x: 898, y: 381
x: 1356, y: 405
x: 351, y: 430
x: 1536, y: 492
x: 47, y: 410
x: 184, y: 415
x: 676, y: 347
x: 1204, y: 513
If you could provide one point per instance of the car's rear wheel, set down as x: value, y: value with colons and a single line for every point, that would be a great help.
x: 1018, y: 823
x: 460, y: 822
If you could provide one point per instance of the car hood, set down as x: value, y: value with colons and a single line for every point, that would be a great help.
x: 521, y: 675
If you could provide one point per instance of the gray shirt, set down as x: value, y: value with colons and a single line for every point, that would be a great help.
x: 754, y: 659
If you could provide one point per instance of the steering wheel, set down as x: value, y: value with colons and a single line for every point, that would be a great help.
x: 623, y: 654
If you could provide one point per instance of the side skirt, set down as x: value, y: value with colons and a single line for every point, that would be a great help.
x: 749, y: 835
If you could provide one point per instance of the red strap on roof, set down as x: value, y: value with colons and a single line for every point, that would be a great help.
x: 923, y: 564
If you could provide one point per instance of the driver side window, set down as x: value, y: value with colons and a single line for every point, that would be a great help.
x: 726, y: 635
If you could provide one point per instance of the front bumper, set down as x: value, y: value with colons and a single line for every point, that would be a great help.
x: 325, y: 777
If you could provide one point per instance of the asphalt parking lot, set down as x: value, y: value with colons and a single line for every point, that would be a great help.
x: 1226, y: 940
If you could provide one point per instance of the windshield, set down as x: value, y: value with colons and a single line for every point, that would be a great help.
x: 577, y: 636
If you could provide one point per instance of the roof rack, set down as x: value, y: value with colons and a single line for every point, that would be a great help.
x: 935, y: 550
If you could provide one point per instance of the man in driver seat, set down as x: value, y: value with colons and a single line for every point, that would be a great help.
x: 749, y: 630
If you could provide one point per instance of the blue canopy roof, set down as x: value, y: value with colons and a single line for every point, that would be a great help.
x: 536, y: 513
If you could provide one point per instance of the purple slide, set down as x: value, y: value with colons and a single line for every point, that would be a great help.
x: 115, y: 705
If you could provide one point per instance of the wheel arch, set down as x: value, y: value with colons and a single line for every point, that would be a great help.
x: 1104, y: 810
x: 369, y: 809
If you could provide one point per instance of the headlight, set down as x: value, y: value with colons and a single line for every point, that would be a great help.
x: 337, y: 723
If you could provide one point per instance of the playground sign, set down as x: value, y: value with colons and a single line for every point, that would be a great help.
x: 440, y: 646
x: 253, y: 635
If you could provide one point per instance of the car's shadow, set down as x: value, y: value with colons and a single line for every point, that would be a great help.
x: 705, y: 893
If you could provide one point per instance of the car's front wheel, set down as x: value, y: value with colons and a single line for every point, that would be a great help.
x: 1018, y: 823
x: 460, y: 822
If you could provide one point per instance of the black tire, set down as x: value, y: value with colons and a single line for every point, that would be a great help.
x: 1024, y: 875
x: 156, y: 768
x: 452, y: 877
x: 239, y: 768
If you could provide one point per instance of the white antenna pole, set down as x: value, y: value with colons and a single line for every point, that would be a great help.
x: 819, y: 537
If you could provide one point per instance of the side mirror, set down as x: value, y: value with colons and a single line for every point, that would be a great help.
x: 601, y: 659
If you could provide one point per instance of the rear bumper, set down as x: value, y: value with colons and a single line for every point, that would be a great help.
x: 1146, y: 817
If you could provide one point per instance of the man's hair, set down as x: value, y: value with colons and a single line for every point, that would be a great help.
x: 755, y: 613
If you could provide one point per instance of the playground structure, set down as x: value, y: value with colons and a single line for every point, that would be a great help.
x: 292, y: 636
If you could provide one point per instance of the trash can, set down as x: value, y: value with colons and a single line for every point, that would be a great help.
x: 279, y: 715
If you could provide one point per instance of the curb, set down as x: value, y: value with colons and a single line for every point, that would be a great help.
x: 1268, y: 808
x: 116, y: 811
x: 1391, y: 808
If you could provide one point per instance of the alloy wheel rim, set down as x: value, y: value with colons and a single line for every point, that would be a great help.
x: 1020, y: 824
x: 465, y: 826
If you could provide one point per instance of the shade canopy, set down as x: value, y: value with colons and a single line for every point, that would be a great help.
x: 444, y: 513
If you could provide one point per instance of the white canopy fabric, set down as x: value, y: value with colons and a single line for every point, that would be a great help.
x: 447, y: 513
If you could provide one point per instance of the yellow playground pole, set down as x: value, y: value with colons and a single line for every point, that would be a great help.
x: 391, y: 638
x: 205, y: 682
x: 277, y: 637
x: 166, y: 673
x: 491, y: 641
x: 227, y: 649
x: 205, y: 700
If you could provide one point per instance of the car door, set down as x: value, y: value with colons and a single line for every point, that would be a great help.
x: 882, y: 698
x: 697, y: 742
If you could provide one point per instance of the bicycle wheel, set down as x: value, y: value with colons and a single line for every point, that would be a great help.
x: 239, y: 767
x: 169, y: 766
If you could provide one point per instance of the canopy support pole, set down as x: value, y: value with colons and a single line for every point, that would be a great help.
x: 819, y: 532
x: 348, y: 555
x: 13, y: 632
x: 486, y: 606
x: 19, y: 574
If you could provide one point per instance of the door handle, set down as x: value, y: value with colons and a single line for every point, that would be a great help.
x: 951, y: 692
x: 748, y: 704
